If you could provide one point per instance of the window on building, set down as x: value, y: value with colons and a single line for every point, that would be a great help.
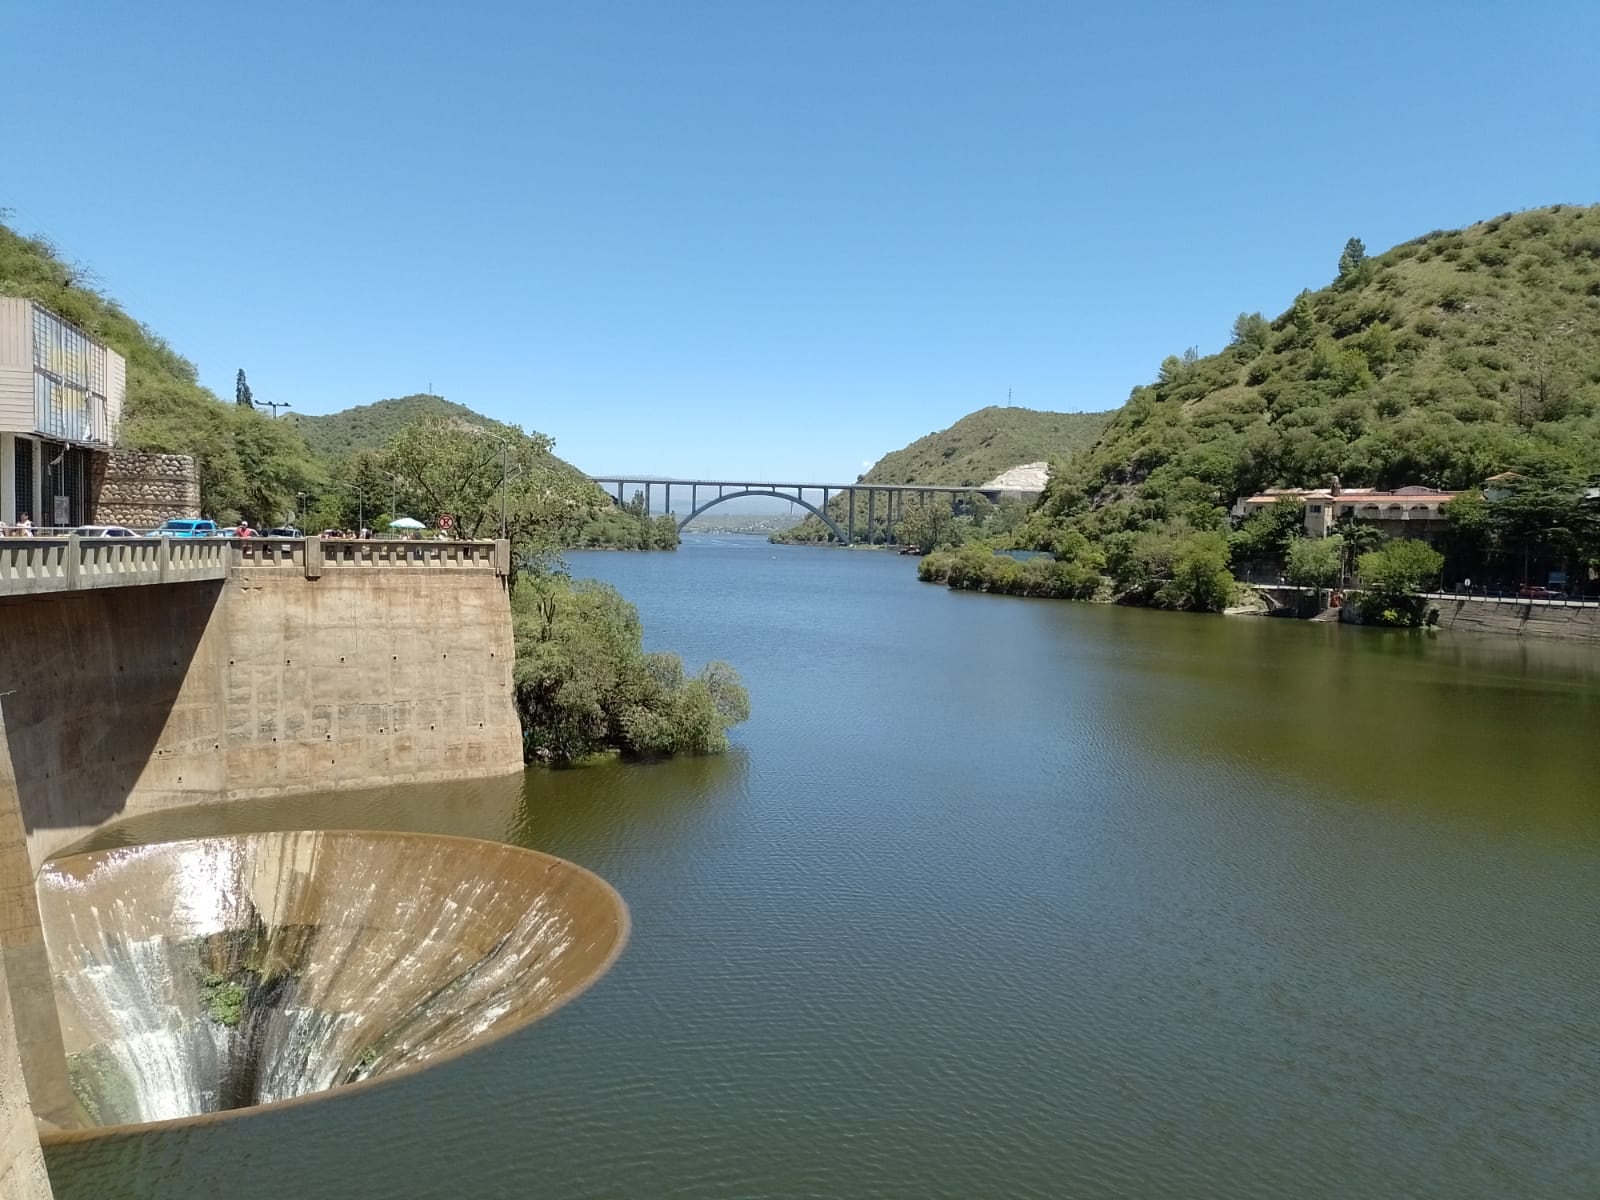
x: 1316, y: 508
x: 66, y: 484
x: 69, y: 381
x: 24, y: 492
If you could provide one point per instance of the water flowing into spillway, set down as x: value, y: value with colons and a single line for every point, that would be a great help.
x: 200, y: 976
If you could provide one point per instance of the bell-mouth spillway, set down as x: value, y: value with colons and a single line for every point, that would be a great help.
x: 206, y: 978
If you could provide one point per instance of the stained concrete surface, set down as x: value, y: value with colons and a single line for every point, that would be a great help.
x: 127, y: 701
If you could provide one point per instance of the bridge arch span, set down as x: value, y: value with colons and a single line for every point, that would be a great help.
x: 805, y: 504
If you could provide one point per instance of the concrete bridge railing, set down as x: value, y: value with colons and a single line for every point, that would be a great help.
x: 32, y: 566
x: 314, y: 556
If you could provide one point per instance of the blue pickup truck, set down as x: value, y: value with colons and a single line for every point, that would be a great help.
x: 188, y: 529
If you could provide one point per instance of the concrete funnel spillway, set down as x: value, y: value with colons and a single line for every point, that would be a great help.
x: 210, y: 975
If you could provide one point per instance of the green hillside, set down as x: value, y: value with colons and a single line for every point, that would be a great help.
x: 983, y: 444
x: 371, y: 427
x: 248, y: 463
x: 325, y: 471
x: 971, y: 452
x: 1441, y: 362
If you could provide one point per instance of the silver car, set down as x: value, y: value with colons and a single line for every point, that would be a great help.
x: 103, y: 531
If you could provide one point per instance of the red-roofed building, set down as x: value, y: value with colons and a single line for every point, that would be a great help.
x: 1414, y: 511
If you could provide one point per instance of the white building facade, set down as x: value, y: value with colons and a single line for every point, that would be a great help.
x: 61, y: 396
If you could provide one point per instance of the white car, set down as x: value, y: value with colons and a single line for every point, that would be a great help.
x: 103, y: 531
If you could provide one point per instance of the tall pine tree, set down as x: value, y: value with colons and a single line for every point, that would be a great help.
x: 241, y: 391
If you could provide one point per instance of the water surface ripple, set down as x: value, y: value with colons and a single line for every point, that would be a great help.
x: 1003, y: 898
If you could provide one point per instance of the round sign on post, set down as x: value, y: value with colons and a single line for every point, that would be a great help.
x: 446, y: 521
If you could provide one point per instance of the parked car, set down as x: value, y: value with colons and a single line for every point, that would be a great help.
x: 188, y: 529
x: 1530, y: 591
x: 103, y: 531
x: 283, y: 531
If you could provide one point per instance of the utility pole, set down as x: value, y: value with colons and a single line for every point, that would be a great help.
x: 275, y: 405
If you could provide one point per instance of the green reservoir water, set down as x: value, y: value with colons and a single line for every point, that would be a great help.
x: 1009, y: 898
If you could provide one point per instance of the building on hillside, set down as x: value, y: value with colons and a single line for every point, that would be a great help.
x: 61, y: 395
x: 1414, y: 512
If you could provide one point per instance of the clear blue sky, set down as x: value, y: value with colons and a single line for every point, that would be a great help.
x: 760, y: 238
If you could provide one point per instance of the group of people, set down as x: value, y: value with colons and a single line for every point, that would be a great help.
x: 23, y: 527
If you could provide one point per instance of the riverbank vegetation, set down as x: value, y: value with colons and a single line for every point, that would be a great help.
x: 1447, y: 360
x: 628, y: 526
x: 1441, y: 362
x: 585, y: 685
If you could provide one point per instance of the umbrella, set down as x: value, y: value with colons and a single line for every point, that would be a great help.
x: 406, y: 523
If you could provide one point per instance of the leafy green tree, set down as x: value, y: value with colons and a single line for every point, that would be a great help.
x: 1201, y: 581
x: 1392, y: 576
x: 929, y: 525
x: 1304, y: 319
x: 584, y: 684
x: 1469, y: 533
x: 278, y: 468
x: 1543, y: 515
x: 1251, y: 330
x: 466, y: 472
x: 1266, y: 534
x: 666, y: 532
x: 1315, y: 562
x: 241, y: 391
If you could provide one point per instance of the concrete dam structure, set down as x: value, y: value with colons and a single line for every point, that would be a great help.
x: 153, y: 675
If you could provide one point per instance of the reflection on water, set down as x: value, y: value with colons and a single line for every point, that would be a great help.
x: 1012, y: 898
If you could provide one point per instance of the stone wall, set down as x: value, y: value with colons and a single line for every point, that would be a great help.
x: 140, y: 490
x: 122, y: 701
x: 1529, y: 619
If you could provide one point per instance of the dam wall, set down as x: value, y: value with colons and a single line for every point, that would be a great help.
x: 1531, y: 618
x: 303, y: 667
x: 300, y: 671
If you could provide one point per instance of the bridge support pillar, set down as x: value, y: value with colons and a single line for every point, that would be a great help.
x: 71, y: 561
x: 850, y: 521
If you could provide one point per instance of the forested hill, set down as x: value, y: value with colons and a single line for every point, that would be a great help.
x: 1440, y: 362
x: 971, y: 452
x: 983, y: 444
x: 371, y: 427
x: 248, y: 463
